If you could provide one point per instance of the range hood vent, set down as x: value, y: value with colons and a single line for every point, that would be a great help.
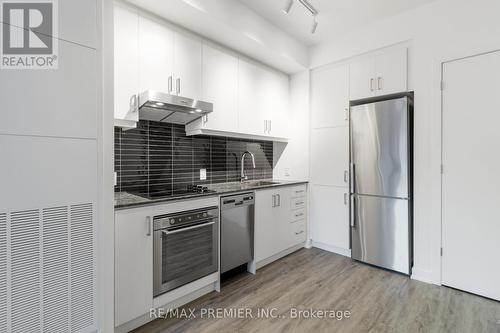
x: 157, y: 106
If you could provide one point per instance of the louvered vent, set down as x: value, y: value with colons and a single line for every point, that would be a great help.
x: 3, y: 272
x: 25, y: 271
x: 82, y: 267
x: 47, y: 270
x: 55, y: 270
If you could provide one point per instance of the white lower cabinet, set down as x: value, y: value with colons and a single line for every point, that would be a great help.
x: 330, y: 217
x: 133, y: 264
x: 280, y: 220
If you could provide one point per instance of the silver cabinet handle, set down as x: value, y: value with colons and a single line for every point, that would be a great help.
x: 178, y: 85
x: 371, y: 84
x: 299, y: 214
x: 353, y: 212
x: 353, y: 176
x: 270, y: 128
x: 170, y: 79
x: 299, y: 203
x: 345, y: 199
x: 300, y: 232
x: 205, y: 119
x: 299, y: 191
x: 379, y: 83
x: 274, y: 200
x: 188, y: 228
x: 346, y: 114
x: 265, y: 126
x: 148, y: 221
x: 346, y: 176
x: 279, y: 199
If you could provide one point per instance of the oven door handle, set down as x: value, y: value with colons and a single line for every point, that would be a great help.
x: 188, y: 228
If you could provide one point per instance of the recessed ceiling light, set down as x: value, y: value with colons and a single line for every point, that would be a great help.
x: 199, y: 110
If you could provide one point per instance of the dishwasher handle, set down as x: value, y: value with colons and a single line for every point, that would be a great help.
x: 240, y: 200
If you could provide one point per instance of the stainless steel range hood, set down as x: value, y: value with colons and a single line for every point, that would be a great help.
x: 157, y: 106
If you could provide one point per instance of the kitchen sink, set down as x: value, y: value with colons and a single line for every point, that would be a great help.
x: 258, y: 183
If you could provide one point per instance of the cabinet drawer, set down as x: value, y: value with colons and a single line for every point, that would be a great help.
x: 298, y: 214
x: 299, y: 231
x: 299, y: 191
x: 298, y: 203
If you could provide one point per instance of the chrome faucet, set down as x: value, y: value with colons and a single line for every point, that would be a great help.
x: 243, y: 176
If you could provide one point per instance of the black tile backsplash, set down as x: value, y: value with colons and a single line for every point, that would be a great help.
x: 159, y: 159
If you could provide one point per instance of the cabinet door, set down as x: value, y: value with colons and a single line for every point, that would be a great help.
x: 187, y: 65
x: 362, y: 79
x: 276, y: 99
x: 220, y: 87
x: 126, y: 62
x: 330, y: 156
x: 251, y: 95
x: 329, y: 214
x: 156, y: 42
x: 391, y: 72
x: 265, y: 224
x: 133, y: 265
x: 330, y: 97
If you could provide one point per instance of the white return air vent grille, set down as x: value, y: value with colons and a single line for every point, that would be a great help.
x: 47, y: 270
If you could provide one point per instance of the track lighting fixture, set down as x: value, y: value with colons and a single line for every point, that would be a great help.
x: 314, y: 25
x: 308, y: 6
x: 288, y: 7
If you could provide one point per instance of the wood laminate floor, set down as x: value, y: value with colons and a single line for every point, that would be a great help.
x: 378, y: 300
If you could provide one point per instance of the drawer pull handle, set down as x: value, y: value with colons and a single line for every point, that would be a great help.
x: 297, y: 215
x: 299, y: 203
x: 300, y: 191
x: 300, y: 232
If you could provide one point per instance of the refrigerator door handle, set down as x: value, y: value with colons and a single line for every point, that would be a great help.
x: 353, y: 177
x: 353, y: 212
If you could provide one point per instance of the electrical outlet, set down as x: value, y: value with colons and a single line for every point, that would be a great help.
x: 203, y: 174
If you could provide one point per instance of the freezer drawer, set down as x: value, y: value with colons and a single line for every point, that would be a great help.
x: 379, y: 148
x: 380, y: 232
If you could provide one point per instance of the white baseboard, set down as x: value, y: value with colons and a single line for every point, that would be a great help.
x: 424, y: 276
x: 331, y: 248
x: 279, y: 255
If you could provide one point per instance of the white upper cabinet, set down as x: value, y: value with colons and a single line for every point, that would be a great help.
x: 220, y: 87
x: 383, y: 74
x: 187, y: 66
x: 156, y: 56
x: 391, y: 70
x: 330, y: 97
x: 126, y: 71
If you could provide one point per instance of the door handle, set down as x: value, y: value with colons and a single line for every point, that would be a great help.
x: 274, y: 200
x: 353, y: 212
x: 178, y: 85
x: 346, y: 176
x: 379, y: 81
x: 345, y: 199
x: 353, y: 177
x: 371, y: 84
x: 265, y: 126
x: 270, y: 128
x: 346, y: 114
x: 170, y: 84
x: 148, y: 221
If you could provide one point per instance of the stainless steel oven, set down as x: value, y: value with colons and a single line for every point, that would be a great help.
x: 185, y: 247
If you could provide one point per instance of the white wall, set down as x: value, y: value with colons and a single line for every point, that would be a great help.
x: 440, y: 31
x: 292, y: 159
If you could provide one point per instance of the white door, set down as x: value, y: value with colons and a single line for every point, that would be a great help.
x: 329, y: 216
x: 187, y: 65
x: 391, y: 72
x: 133, y: 264
x: 220, y: 87
x: 126, y: 62
x: 471, y: 178
x: 330, y: 97
x: 361, y: 79
x: 156, y: 52
x: 330, y: 156
x: 276, y: 103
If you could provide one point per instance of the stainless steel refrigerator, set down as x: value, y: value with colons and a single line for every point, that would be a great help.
x: 381, y: 178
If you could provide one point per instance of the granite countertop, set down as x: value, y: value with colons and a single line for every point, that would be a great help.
x: 124, y: 200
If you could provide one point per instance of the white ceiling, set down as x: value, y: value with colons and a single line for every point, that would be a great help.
x: 336, y: 17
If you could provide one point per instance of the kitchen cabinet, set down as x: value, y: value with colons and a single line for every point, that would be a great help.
x: 220, y: 87
x: 330, y: 156
x: 156, y: 56
x: 382, y: 74
x: 187, y: 65
x: 133, y: 264
x: 280, y: 220
x: 263, y: 97
x: 126, y: 65
x: 330, y: 217
x: 330, y: 97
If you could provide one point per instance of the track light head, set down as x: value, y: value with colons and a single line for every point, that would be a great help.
x: 287, y: 7
x: 314, y: 25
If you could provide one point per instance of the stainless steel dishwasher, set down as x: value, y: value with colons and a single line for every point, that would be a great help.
x: 237, y: 230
